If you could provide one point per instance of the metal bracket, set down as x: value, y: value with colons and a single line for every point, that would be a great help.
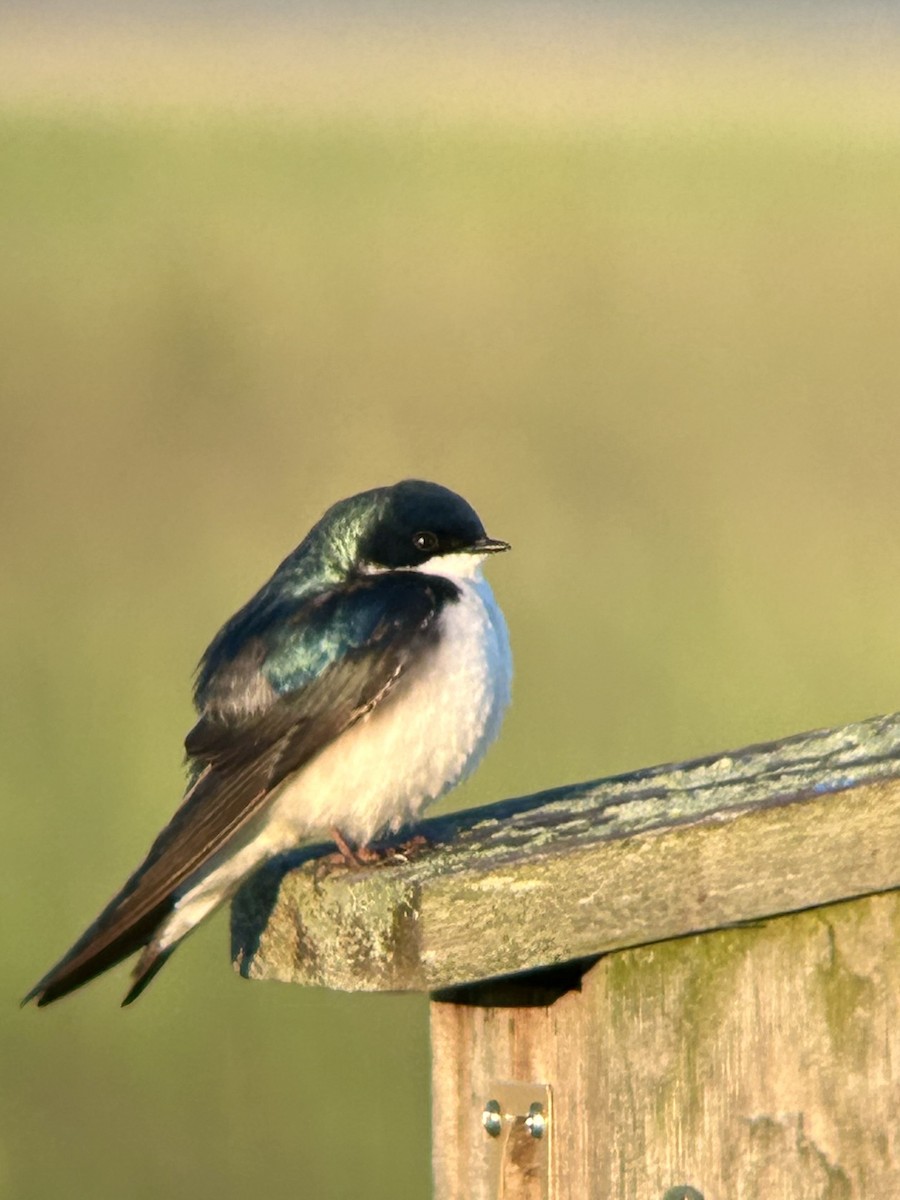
x: 518, y: 1125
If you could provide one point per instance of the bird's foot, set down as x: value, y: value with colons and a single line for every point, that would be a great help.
x: 357, y: 857
x: 408, y: 849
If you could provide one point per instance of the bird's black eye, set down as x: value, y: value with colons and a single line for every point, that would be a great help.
x: 425, y: 540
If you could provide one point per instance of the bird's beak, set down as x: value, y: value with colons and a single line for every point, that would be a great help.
x: 486, y: 545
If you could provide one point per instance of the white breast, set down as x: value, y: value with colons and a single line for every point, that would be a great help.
x: 425, y: 739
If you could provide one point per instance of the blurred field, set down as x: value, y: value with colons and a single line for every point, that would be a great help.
x: 650, y: 330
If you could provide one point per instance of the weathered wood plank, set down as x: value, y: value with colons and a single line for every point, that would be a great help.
x: 744, y: 1063
x: 586, y: 869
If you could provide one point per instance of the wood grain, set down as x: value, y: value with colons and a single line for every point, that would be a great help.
x: 761, y: 1062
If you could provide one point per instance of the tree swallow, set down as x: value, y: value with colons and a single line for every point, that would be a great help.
x: 364, y: 680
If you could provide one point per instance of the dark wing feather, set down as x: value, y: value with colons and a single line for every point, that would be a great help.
x: 326, y: 663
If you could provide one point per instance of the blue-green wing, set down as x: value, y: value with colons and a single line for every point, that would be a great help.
x: 281, y: 681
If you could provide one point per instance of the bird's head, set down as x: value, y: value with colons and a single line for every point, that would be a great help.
x: 411, y: 525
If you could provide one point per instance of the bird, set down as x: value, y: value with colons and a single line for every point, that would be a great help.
x: 363, y: 681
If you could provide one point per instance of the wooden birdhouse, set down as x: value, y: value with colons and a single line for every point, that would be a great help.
x: 676, y: 984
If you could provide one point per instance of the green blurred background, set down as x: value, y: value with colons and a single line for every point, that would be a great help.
x: 629, y: 282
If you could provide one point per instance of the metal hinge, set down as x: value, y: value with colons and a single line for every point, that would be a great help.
x: 518, y: 1126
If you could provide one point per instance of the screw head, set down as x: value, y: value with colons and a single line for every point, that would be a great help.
x: 492, y: 1118
x: 536, y: 1122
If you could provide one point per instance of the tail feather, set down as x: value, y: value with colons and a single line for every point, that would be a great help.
x: 152, y: 960
x: 95, y: 953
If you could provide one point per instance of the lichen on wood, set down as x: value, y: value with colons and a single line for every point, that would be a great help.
x: 585, y: 869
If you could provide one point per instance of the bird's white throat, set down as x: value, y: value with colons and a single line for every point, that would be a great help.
x: 450, y: 566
